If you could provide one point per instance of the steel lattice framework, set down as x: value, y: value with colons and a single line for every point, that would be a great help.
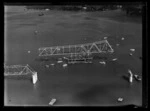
x: 80, y: 49
x: 18, y: 70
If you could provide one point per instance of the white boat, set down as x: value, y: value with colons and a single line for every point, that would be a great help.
x: 120, y: 99
x: 105, y: 37
x: 59, y: 61
x: 52, y: 101
x: 132, y: 50
x: 52, y: 64
x: 122, y: 38
x: 114, y: 59
x: 102, y: 62
x: 65, y: 65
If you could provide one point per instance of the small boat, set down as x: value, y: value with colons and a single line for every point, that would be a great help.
x: 65, y: 65
x: 59, y: 61
x: 114, y: 59
x: 132, y: 50
x: 105, y: 37
x: 102, y: 62
x: 52, y: 101
x: 122, y: 38
x: 120, y: 99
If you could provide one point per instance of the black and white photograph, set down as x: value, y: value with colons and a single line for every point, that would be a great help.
x: 73, y: 54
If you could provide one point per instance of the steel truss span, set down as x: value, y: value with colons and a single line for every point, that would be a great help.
x: 83, y: 49
x: 18, y: 70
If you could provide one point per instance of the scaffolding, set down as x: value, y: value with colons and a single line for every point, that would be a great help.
x: 20, y: 70
x: 80, y: 52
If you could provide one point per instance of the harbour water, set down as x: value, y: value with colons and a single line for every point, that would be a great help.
x: 76, y: 84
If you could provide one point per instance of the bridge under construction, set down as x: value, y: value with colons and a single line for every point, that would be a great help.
x: 20, y: 70
x: 77, y: 52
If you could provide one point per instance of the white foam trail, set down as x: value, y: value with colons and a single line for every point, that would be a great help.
x: 120, y: 99
x: 137, y: 77
x: 131, y: 76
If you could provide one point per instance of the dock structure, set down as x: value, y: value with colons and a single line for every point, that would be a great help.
x: 20, y: 70
x: 77, y: 52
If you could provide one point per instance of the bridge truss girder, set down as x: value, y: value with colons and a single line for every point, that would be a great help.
x: 80, y: 49
x: 18, y: 70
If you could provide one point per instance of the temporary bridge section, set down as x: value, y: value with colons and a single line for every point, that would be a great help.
x: 77, y: 52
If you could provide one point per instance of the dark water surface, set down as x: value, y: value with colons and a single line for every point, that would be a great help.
x: 78, y: 84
